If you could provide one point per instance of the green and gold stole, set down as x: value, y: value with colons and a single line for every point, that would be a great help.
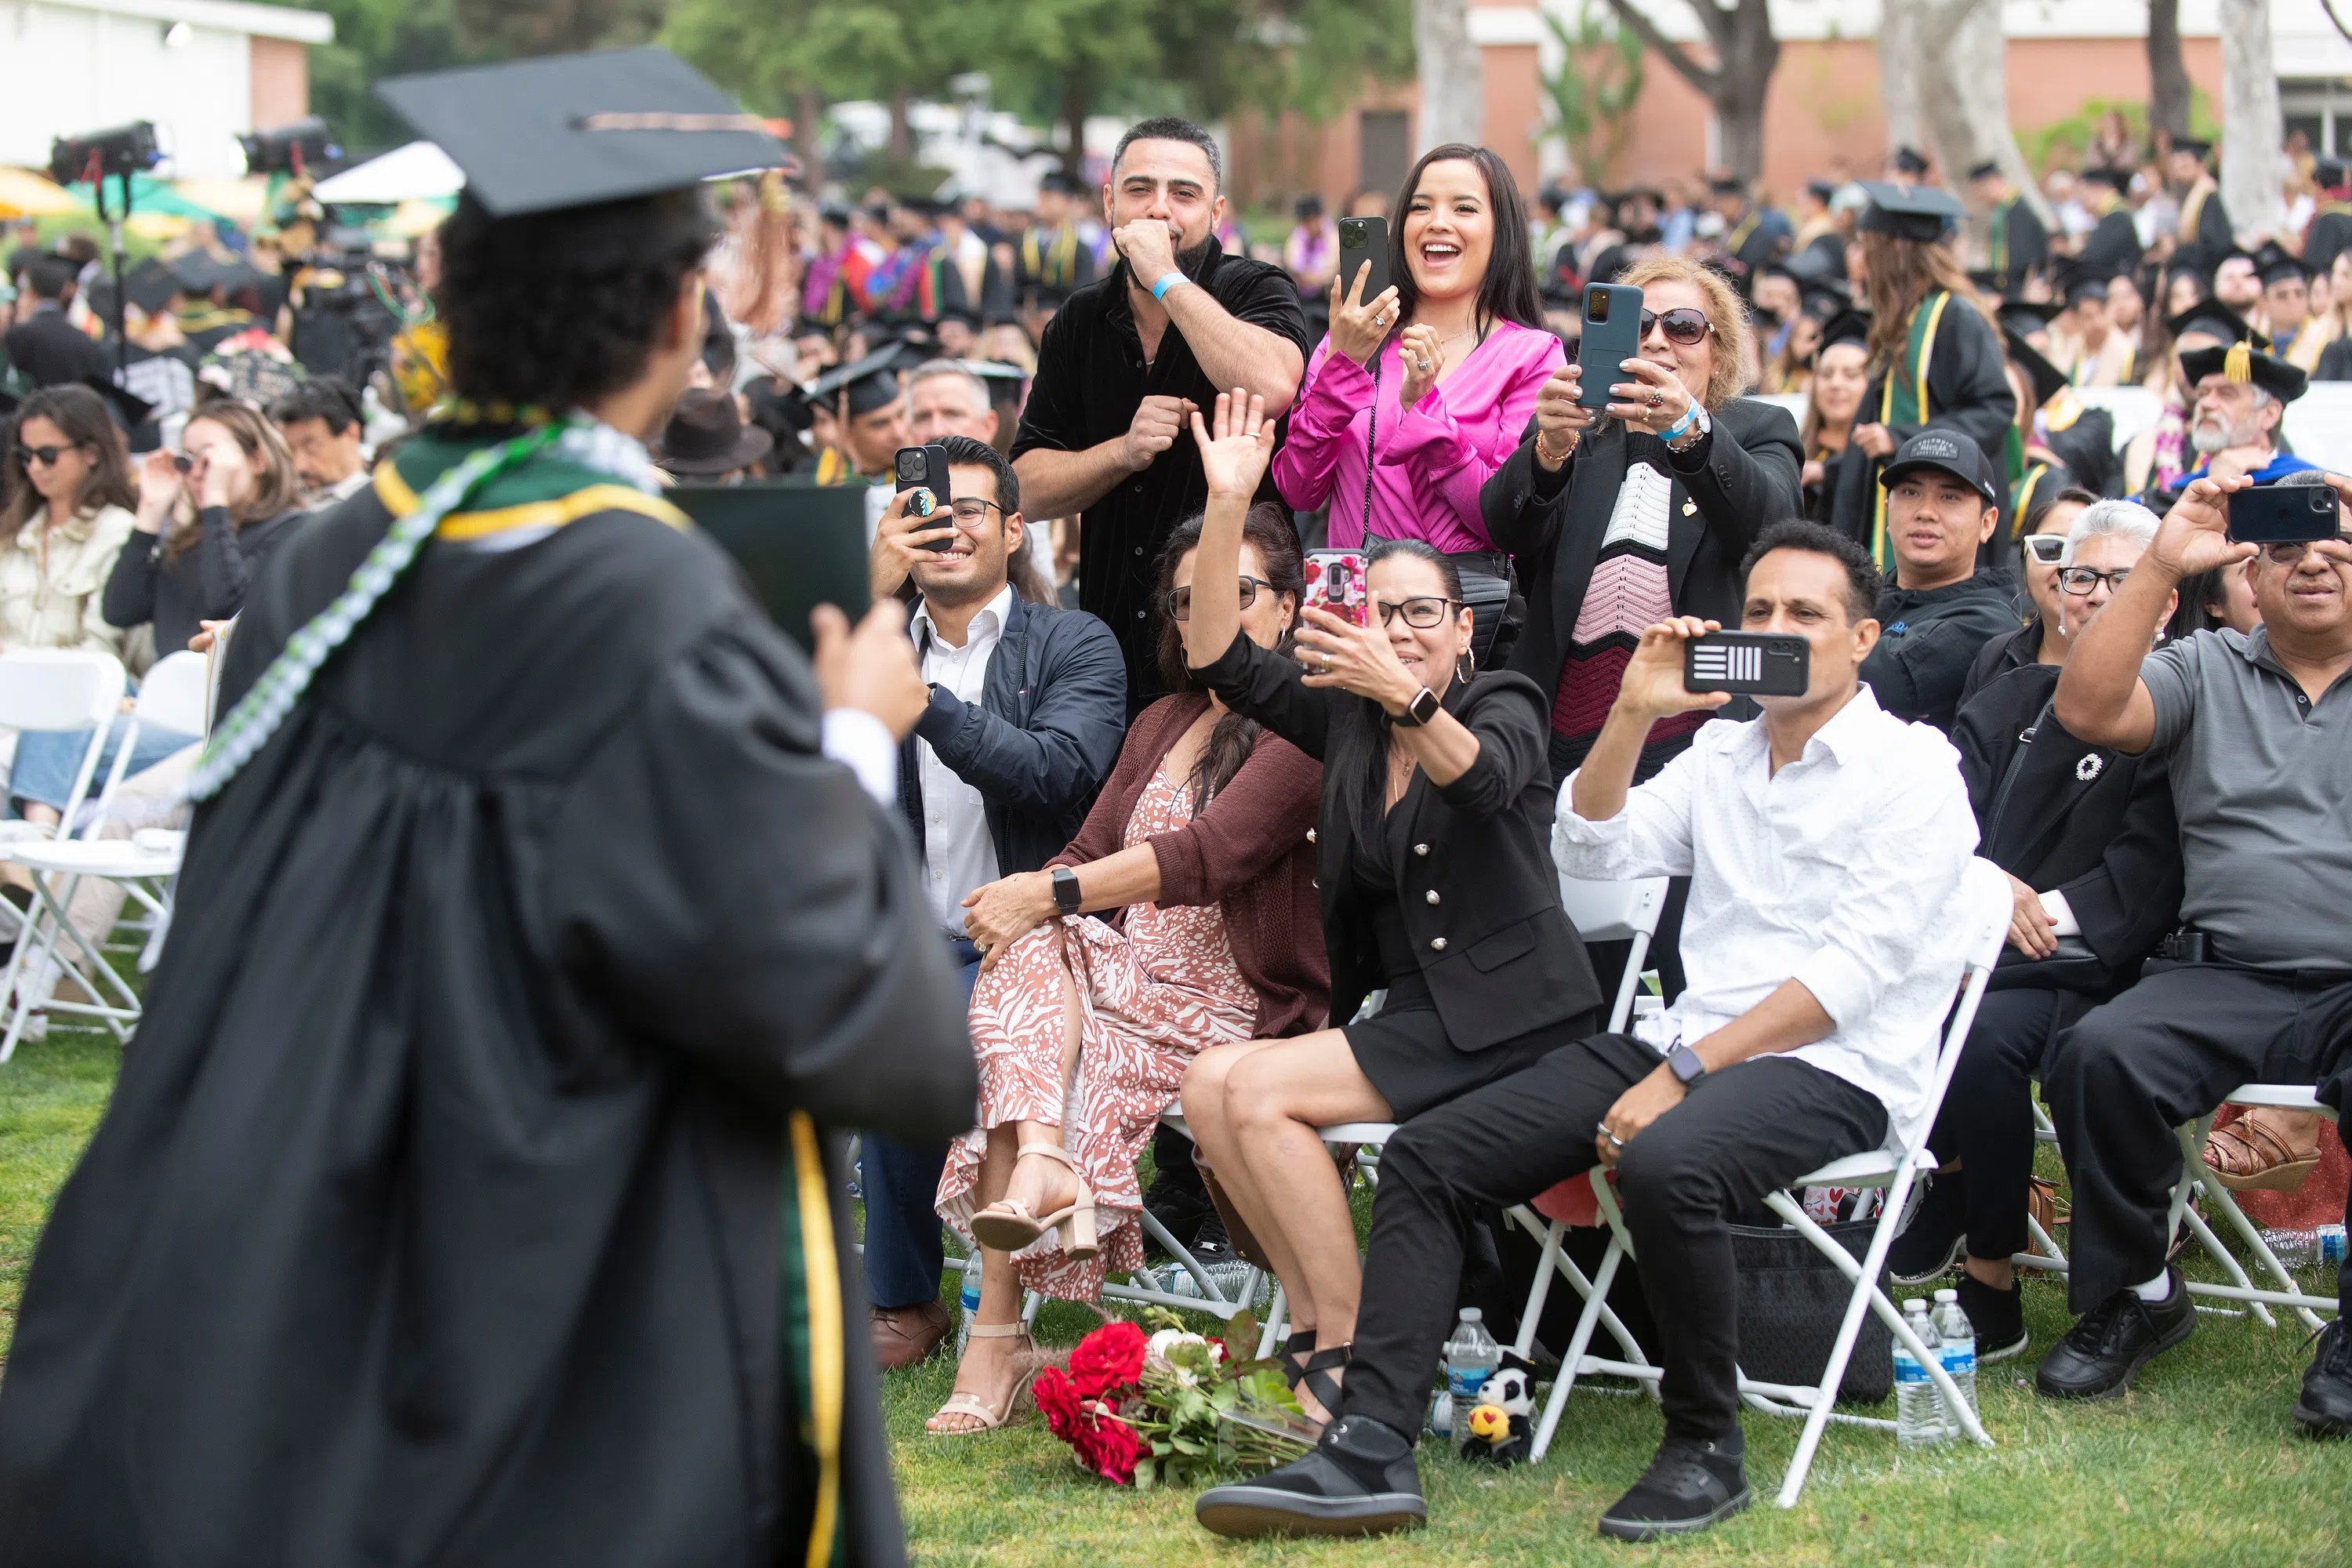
x: 1903, y: 400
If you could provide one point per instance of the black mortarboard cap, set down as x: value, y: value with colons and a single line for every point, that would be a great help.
x: 2244, y: 361
x: 2275, y: 264
x: 1845, y: 327
x: 2212, y: 319
x: 1984, y: 170
x: 151, y: 285
x: 1909, y: 212
x: 869, y: 384
x: 1910, y: 160
x: 2117, y: 180
x: 1824, y: 298
x: 2047, y: 378
x: 2327, y: 173
x: 2082, y: 286
x: 992, y: 369
x: 1054, y: 180
x: 2027, y: 317
x: 835, y: 213
x: 129, y: 409
x: 198, y: 274
x: 1727, y: 186
x: 575, y: 129
x: 964, y: 313
x: 2195, y: 146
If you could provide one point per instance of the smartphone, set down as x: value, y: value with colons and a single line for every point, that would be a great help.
x: 182, y: 462
x: 1753, y: 664
x: 1363, y: 239
x: 1613, y: 335
x: 925, y: 468
x: 1335, y: 581
x: 2283, y: 514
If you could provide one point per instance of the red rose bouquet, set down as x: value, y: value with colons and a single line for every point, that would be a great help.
x: 1173, y: 1406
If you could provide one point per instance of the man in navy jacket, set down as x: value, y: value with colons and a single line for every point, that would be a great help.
x: 1028, y: 711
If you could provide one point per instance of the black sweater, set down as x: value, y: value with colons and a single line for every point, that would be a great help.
x: 206, y: 582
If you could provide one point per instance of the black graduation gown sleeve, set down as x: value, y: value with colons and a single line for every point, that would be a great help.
x: 2028, y: 242
x: 2329, y: 234
x: 2114, y: 248
x: 764, y: 927
x: 2334, y: 362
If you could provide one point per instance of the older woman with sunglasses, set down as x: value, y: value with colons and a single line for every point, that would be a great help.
x: 1643, y: 512
x: 1421, y: 390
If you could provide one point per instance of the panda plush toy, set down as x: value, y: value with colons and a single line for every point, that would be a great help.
x: 1501, y: 1428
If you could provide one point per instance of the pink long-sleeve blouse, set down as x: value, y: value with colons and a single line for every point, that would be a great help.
x: 1433, y: 459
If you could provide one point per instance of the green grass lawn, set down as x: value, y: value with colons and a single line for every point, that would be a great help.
x: 2200, y: 1464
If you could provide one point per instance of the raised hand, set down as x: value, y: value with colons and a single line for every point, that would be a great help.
x: 872, y: 668
x: 2195, y: 534
x: 1360, y: 326
x: 1560, y: 420
x: 1653, y: 686
x: 1237, y: 445
x: 1424, y: 353
x: 904, y: 541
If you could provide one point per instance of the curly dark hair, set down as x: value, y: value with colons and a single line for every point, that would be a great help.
x: 1268, y: 528
x: 561, y: 308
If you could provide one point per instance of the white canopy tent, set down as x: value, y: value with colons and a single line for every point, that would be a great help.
x: 420, y: 171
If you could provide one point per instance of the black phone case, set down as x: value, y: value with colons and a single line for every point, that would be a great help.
x: 2283, y: 514
x: 1371, y: 243
x: 1607, y: 345
x: 934, y: 478
x: 1752, y: 663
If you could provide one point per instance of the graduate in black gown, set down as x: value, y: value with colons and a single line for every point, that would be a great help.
x: 465, y: 1197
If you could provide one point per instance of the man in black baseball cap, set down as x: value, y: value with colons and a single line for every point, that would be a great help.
x: 1943, y: 502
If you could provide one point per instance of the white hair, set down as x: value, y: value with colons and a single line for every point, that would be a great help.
x: 930, y: 368
x: 2124, y: 519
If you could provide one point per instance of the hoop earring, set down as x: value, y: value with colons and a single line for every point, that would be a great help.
x: 1467, y: 666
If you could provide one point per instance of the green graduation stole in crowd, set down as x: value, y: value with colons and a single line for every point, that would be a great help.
x: 1997, y: 242
x: 1056, y: 267
x: 1903, y: 400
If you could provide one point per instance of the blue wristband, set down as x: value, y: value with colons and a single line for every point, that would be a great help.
x: 1159, y: 290
x: 1682, y: 427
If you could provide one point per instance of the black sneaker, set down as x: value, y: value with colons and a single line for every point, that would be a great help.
x: 1210, y: 1243
x: 1359, y: 1481
x: 2101, y: 1353
x: 1997, y: 1316
x: 1182, y: 1212
x: 2325, y: 1408
x: 1689, y: 1486
x: 1931, y: 1244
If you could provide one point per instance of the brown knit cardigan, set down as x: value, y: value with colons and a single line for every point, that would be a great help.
x: 1250, y: 851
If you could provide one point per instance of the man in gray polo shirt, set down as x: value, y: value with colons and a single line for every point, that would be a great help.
x: 2259, y: 727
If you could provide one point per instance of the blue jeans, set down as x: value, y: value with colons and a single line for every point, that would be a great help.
x: 904, y: 1255
x: 47, y: 760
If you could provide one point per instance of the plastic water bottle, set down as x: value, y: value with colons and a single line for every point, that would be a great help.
x: 971, y: 1303
x: 1959, y: 1348
x: 2314, y: 1246
x: 1471, y: 1356
x: 1918, y: 1412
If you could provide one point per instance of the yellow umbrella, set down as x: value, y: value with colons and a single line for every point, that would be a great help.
x: 24, y: 194
x: 240, y: 201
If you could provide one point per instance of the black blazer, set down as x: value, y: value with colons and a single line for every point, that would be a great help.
x: 2057, y: 812
x: 1473, y: 874
x: 1728, y: 489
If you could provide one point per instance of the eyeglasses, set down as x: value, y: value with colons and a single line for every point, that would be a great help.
x: 2047, y: 548
x: 2290, y: 554
x: 1422, y: 612
x: 1180, y: 600
x: 972, y: 511
x: 2082, y: 581
x: 44, y: 456
x: 1683, y: 325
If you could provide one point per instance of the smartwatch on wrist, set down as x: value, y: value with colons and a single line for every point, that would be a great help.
x: 1066, y: 898
x: 1420, y: 710
x: 1685, y: 1064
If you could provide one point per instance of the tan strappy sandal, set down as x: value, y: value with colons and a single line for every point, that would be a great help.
x: 2256, y: 1154
x: 1008, y: 1227
x: 970, y: 1405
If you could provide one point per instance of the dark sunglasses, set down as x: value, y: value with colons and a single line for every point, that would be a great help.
x: 44, y: 456
x: 1683, y: 325
x: 1180, y: 600
x: 2047, y: 548
x: 1421, y: 613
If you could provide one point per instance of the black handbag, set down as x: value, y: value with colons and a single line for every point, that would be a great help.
x: 1791, y: 1301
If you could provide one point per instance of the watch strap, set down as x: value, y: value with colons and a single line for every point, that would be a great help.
x: 1423, y: 707
x: 1685, y: 1065
x: 1066, y: 897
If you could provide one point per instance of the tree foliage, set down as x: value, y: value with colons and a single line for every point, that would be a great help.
x: 1593, y: 91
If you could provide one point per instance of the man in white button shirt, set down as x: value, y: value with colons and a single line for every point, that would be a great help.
x: 1825, y: 843
x: 1027, y: 711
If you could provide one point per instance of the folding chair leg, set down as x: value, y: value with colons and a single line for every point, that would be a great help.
x: 1595, y: 1301
x: 1532, y: 1314
x: 1277, y: 1323
x: 2222, y: 1199
x: 2192, y: 1136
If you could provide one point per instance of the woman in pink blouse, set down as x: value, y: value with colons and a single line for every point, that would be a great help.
x: 1434, y: 379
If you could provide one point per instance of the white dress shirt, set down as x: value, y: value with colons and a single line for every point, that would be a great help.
x: 1842, y: 871
x: 958, y: 854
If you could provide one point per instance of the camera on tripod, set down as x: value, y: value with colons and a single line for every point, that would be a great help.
x: 125, y: 150
x: 295, y: 149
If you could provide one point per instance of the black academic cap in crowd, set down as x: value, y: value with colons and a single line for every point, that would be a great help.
x: 1985, y: 171
x: 1910, y: 160
x: 1848, y: 326
x: 964, y: 313
x: 2117, y: 180
x: 572, y: 130
x: 130, y: 410
x: 2242, y: 362
x: 2275, y: 264
x: 1823, y: 297
x: 1920, y: 213
x: 1948, y: 451
x: 992, y: 369
x: 1727, y: 186
x: 198, y: 274
x: 151, y: 285
x: 2082, y: 286
x: 869, y: 384
x: 2195, y: 146
x: 2327, y: 173
x: 835, y: 213
x: 2027, y: 317
x: 2212, y: 319
x: 1054, y: 180
x: 2047, y: 378
x: 1821, y: 190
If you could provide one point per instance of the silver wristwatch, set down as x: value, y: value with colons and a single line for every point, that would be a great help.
x: 1700, y: 425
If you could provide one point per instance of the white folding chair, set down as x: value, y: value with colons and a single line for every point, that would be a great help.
x: 1985, y: 900
x: 170, y: 697
x: 48, y: 689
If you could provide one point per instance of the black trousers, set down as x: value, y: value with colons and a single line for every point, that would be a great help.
x: 1986, y: 1121
x: 1739, y: 1134
x: 2166, y: 1051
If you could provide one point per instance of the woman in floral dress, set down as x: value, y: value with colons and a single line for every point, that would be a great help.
x: 1084, y: 1025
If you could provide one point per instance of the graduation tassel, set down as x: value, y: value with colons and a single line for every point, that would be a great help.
x: 236, y: 738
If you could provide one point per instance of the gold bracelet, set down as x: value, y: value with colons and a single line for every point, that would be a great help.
x: 1547, y: 455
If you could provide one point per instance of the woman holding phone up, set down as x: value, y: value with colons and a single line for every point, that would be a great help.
x: 1434, y: 879
x: 1420, y: 391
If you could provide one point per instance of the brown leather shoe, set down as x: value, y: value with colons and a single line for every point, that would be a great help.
x: 905, y: 1336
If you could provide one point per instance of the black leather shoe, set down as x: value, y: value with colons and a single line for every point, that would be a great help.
x: 1997, y: 1316
x: 2099, y: 1355
x: 2325, y: 1408
x: 1931, y: 1243
x: 1210, y: 1243
x: 1689, y: 1486
x: 1359, y: 1481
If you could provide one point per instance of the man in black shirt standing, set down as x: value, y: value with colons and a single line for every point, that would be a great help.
x: 1125, y: 361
